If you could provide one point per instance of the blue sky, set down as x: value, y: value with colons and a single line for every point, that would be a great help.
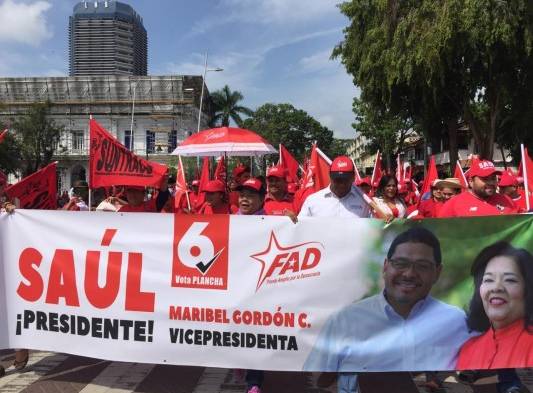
x: 271, y: 50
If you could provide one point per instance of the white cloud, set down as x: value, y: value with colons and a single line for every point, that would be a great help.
x: 266, y: 12
x: 24, y: 23
x: 318, y: 62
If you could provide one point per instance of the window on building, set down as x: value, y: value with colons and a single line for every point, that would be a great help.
x: 172, y: 140
x: 78, y: 141
x: 128, y: 140
x: 150, y: 142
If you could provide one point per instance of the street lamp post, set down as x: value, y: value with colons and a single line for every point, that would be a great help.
x: 206, y: 70
x: 132, y: 114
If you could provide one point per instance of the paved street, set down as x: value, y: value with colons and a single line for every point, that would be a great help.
x: 52, y: 372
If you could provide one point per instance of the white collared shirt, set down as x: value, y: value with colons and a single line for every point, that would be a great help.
x: 325, y: 203
x: 370, y: 336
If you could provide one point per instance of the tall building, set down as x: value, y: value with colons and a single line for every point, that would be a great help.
x: 107, y: 38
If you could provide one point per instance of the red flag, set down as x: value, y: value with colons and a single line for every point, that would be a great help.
x: 318, y: 171
x: 376, y: 173
x: 3, y: 135
x: 204, y: 179
x: 459, y: 174
x: 431, y: 175
x: 316, y: 176
x: 399, y: 171
x: 36, y: 191
x: 181, y: 187
x: 526, y: 171
x: 220, y: 171
x: 287, y: 161
x: 110, y: 163
x: 474, y: 159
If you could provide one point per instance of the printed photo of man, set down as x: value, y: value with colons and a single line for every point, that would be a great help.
x: 401, y: 329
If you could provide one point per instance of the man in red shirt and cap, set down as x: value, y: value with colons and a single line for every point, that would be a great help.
x: 508, y: 185
x: 136, y: 203
x: 278, y: 201
x: 215, y: 198
x: 481, y: 199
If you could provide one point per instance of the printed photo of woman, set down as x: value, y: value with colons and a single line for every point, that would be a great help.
x: 501, y: 309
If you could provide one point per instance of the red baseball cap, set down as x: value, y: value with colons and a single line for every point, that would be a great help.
x: 195, y: 182
x: 364, y: 180
x: 214, y: 186
x: 341, y: 166
x: 277, y: 171
x: 483, y: 168
x: 508, y: 179
x: 253, y: 184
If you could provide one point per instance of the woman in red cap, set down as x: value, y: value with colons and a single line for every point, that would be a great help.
x: 215, y: 199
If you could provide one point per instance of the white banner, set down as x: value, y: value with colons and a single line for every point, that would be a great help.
x: 219, y: 291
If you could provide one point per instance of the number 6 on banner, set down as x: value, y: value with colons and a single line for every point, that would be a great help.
x: 196, y: 250
x: 200, y: 252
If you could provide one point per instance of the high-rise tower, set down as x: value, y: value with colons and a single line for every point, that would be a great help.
x: 107, y: 38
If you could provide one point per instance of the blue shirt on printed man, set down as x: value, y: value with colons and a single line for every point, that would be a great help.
x: 370, y: 336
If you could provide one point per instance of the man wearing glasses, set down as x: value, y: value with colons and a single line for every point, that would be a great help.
x: 401, y: 329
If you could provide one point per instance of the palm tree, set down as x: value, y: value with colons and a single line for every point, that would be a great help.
x: 225, y: 104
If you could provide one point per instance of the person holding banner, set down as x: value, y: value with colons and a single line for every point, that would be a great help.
x: 401, y: 329
x: 278, y: 201
x: 502, y: 308
x: 341, y: 198
x: 215, y: 199
x: 251, y: 202
x: 135, y: 196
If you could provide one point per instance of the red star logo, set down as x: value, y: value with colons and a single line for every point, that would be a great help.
x: 272, y: 254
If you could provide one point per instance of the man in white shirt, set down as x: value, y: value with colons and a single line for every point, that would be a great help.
x: 400, y: 329
x: 341, y: 198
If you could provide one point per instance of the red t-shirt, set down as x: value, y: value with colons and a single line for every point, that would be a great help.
x: 206, y: 208
x: 276, y: 208
x: 234, y: 200
x: 520, y: 202
x: 510, y: 347
x: 145, y: 207
x: 467, y: 204
x: 429, y: 208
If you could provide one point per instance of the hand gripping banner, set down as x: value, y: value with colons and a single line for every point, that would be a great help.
x: 264, y: 293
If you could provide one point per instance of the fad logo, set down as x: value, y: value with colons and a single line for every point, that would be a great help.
x: 281, y: 264
x: 200, y: 255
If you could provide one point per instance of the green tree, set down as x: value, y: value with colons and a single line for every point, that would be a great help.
x: 294, y: 128
x: 440, y: 61
x: 226, y: 107
x: 10, y: 159
x: 37, y: 137
x: 384, y: 131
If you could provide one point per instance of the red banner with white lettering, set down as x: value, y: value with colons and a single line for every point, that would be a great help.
x: 37, y: 191
x: 112, y: 164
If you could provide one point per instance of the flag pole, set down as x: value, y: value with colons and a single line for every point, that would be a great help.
x: 524, y: 173
x: 89, y: 162
x: 462, y: 172
x: 183, y: 174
